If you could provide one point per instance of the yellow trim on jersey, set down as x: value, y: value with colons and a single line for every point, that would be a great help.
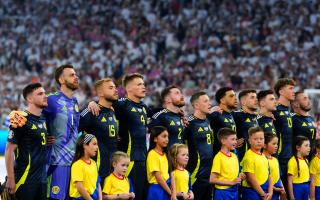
x: 98, y: 159
x: 195, y: 172
x: 25, y: 174
x: 280, y: 144
x: 129, y: 145
x: 17, y: 152
x: 129, y: 168
x: 129, y: 154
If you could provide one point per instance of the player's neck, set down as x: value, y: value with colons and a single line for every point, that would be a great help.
x: 200, y: 115
x: 301, y: 112
x: 225, y: 108
x: 103, y: 102
x: 172, y: 108
x: 34, y: 110
x: 134, y: 98
x: 247, y: 110
x: 66, y: 91
x: 266, y: 112
x: 284, y: 101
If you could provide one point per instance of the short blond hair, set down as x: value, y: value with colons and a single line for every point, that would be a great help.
x: 99, y: 83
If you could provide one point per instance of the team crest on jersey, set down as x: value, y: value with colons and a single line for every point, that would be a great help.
x: 10, y: 134
x: 144, y: 110
x: 310, y: 124
x: 287, y: 112
x: 34, y: 127
x: 103, y: 119
x: 40, y: 125
x: 55, y: 189
x: 178, y: 123
x: 139, y: 109
x: 76, y: 108
x: 206, y: 128
x: 110, y: 118
x: 45, y: 125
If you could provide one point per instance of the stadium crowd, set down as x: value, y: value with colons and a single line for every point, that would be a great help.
x: 194, y: 44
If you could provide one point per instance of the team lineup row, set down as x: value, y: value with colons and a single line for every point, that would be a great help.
x: 46, y: 134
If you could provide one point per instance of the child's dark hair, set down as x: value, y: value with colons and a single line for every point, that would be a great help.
x: 268, y: 136
x: 225, y: 132
x: 254, y: 130
x: 155, y: 132
x: 84, y: 139
x: 299, y: 140
x: 174, y: 150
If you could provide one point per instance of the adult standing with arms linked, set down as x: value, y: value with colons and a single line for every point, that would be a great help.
x: 104, y: 126
x: 132, y: 115
x: 26, y: 149
x: 62, y: 118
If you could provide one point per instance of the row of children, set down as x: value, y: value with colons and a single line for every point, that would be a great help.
x: 260, y: 173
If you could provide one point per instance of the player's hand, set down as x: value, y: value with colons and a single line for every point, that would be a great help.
x: 50, y: 140
x: 18, y: 118
x: 240, y: 142
x: 173, y: 196
x: 132, y: 195
x: 125, y: 196
x: 215, y: 109
x: 185, y: 121
x: 190, y: 196
x: 268, y: 196
x: 237, y: 181
x: 94, y: 108
x: 283, y: 194
x: 242, y: 176
x: 11, y: 185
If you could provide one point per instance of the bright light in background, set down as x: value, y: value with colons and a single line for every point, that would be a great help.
x: 3, y: 139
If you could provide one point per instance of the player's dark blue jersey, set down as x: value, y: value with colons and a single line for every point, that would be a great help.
x: 199, y: 137
x: 266, y: 123
x: 304, y: 125
x: 105, y: 128
x: 31, y: 153
x: 283, y: 125
x: 172, y: 121
x: 132, y: 118
x: 220, y: 120
x: 244, y: 121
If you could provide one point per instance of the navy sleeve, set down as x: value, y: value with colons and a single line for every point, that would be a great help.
x: 85, y: 120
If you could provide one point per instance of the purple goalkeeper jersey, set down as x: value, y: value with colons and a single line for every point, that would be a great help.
x: 62, y: 116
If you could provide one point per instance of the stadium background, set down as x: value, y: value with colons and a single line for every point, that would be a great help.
x: 195, y: 44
